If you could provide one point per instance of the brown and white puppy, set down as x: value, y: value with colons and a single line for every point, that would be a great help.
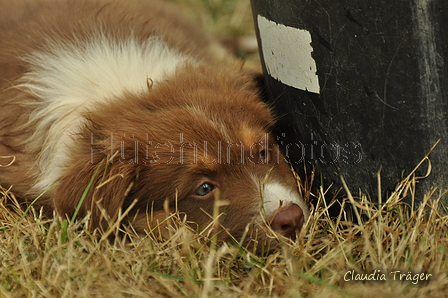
x: 134, y: 97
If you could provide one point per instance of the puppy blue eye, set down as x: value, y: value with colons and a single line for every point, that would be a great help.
x: 204, y: 189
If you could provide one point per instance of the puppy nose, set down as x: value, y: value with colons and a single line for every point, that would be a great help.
x: 288, y: 221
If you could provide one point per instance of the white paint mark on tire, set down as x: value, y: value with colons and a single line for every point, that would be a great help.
x: 287, y: 55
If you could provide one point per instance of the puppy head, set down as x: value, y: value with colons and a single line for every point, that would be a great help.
x: 201, y: 136
x: 252, y: 181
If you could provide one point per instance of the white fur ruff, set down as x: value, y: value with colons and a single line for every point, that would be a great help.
x: 69, y: 79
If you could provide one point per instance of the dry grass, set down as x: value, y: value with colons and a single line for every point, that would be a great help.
x: 54, y: 258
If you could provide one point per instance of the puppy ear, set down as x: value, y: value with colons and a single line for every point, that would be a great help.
x: 102, y: 188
